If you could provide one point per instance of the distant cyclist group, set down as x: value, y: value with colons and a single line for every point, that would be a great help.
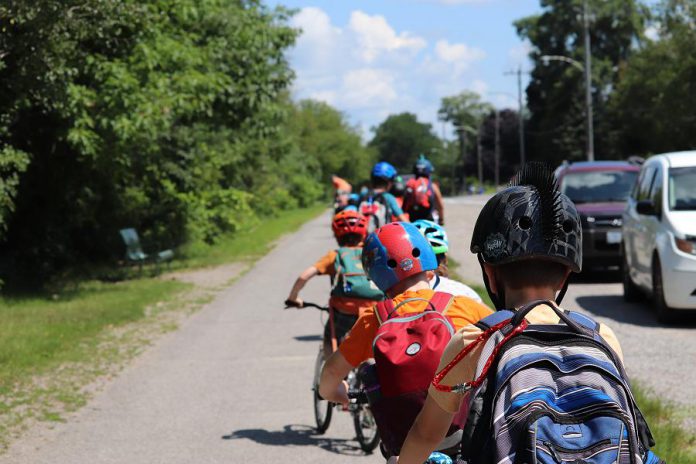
x: 444, y: 377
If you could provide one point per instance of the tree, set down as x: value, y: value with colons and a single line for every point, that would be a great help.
x: 508, y: 127
x: 165, y: 116
x: 465, y: 112
x: 555, y: 95
x: 323, y: 133
x: 652, y: 107
x: 401, y: 138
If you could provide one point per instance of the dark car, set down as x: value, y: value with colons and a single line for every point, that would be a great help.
x: 599, y: 189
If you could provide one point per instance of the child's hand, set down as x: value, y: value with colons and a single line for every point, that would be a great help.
x: 295, y: 303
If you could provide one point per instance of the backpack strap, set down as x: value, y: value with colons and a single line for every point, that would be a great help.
x: 583, y: 320
x: 383, y: 310
x: 494, y: 319
x: 441, y: 301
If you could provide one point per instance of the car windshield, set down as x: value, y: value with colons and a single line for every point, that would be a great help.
x: 598, y: 186
x: 682, y: 189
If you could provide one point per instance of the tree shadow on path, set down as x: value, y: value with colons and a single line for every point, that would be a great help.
x: 309, y: 338
x: 298, y: 435
x: 641, y: 314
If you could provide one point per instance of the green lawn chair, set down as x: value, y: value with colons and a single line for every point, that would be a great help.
x: 135, y: 253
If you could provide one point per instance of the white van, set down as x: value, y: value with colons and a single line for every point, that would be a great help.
x: 659, y: 234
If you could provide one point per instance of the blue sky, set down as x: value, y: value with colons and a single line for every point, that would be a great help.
x: 372, y: 58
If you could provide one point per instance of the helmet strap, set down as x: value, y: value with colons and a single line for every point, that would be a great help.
x: 497, y: 299
x: 563, y: 291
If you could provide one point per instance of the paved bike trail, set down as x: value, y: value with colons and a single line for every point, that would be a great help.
x: 232, y: 385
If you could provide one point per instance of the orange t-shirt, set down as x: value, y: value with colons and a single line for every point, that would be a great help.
x: 352, y: 306
x: 357, y: 346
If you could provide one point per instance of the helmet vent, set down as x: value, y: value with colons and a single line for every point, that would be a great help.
x: 525, y: 223
x: 416, y: 252
x: 540, y: 177
x: 567, y: 226
x: 391, y: 263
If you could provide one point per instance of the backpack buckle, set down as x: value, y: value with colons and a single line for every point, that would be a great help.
x: 461, y: 388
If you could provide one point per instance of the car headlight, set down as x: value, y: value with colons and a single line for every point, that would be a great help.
x: 686, y: 245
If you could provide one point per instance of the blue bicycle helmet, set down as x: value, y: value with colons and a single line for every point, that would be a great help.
x: 384, y: 170
x: 423, y: 167
x: 435, y: 234
x: 394, y: 252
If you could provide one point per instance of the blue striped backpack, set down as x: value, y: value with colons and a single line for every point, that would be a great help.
x: 549, y: 394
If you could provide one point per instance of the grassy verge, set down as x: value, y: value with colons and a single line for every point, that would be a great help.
x: 250, y: 244
x: 53, y: 345
x: 674, y: 444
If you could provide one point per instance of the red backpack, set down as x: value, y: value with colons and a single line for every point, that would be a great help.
x: 407, y: 350
x: 419, y: 195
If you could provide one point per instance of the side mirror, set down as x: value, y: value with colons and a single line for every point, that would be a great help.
x: 646, y: 208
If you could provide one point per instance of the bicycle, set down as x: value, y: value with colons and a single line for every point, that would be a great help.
x: 363, y: 421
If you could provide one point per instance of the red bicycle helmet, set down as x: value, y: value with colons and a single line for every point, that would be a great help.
x: 349, y: 222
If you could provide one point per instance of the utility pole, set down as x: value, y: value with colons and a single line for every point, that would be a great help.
x: 497, y: 147
x: 523, y: 155
x: 520, y: 112
x: 462, y: 145
x: 588, y: 84
x: 479, y: 155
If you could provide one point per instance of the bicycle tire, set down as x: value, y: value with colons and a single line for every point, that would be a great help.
x: 323, y: 409
x: 363, y: 421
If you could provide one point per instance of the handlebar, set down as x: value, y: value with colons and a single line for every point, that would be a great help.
x: 305, y: 304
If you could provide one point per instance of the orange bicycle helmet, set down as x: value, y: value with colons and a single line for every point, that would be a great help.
x: 349, y: 222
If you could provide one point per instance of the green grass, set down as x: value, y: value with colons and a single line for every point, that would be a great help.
x: 53, y: 344
x: 674, y: 444
x: 453, y: 264
x: 251, y: 244
x: 39, y: 333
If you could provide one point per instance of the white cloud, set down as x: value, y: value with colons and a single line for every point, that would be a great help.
x: 519, y: 54
x: 368, y: 88
x: 479, y: 87
x: 458, y: 2
x: 370, y: 70
x: 375, y: 36
x: 458, y: 52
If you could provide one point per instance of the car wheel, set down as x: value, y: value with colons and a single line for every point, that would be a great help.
x: 631, y: 292
x: 665, y: 314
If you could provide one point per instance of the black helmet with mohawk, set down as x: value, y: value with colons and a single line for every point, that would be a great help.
x: 530, y: 219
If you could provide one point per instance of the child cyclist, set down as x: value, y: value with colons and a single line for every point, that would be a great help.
x: 352, y: 292
x: 528, y: 240
x: 378, y: 204
x: 437, y: 237
x: 401, y: 262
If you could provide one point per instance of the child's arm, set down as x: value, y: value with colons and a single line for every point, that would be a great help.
x: 301, y: 281
x: 426, y: 433
x: 438, y: 203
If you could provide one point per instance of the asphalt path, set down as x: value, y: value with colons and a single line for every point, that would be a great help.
x: 232, y: 385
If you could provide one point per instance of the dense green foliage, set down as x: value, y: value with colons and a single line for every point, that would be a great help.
x: 555, y: 94
x: 642, y: 88
x: 167, y: 116
x: 400, y: 138
x: 654, y: 105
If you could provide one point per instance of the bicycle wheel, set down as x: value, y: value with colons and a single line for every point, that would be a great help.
x: 364, y: 424
x: 322, y: 408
